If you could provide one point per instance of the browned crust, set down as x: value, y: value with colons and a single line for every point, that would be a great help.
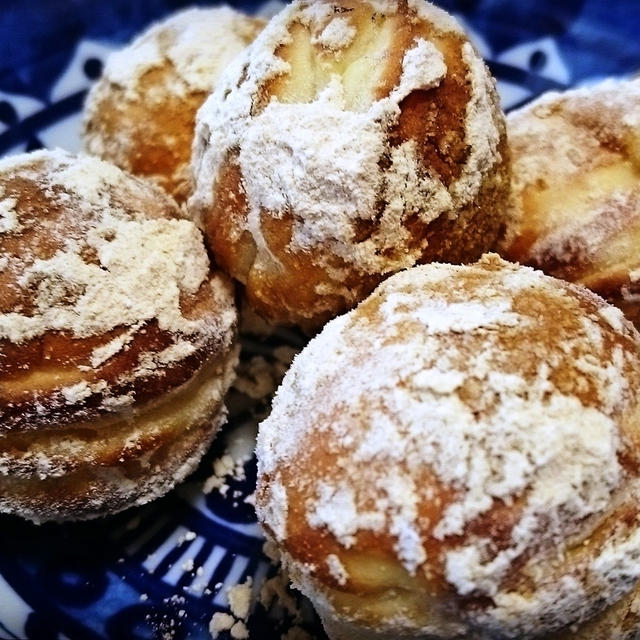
x: 94, y: 468
x: 159, y: 129
x: 303, y: 289
x: 34, y: 373
x: 574, y: 246
x: 308, y: 547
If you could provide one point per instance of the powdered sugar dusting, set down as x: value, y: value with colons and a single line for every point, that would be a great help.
x: 469, y: 382
x: 8, y: 216
x: 118, y: 257
x: 554, y: 126
x: 338, y: 34
x: 336, y: 509
x: 143, y: 265
x: 565, y: 136
x: 321, y: 162
x: 197, y: 43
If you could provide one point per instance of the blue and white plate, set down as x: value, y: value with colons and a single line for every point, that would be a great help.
x: 162, y: 571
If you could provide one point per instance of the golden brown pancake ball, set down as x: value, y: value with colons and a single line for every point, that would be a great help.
x: 576, y: 185
x: 140, y: 115
x: 459, y: 458
x: 117, y: 342
x: 350, y: 140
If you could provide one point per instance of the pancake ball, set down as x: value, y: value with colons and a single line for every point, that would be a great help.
x: 459, y: 457
x: 576, y: 185
x: 141, y: 114
x: 349, y: 141
x: 117, y: 342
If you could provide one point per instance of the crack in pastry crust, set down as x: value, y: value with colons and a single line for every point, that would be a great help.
x: 349, y: 141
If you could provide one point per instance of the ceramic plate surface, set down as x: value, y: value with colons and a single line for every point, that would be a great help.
x: 162, y: 571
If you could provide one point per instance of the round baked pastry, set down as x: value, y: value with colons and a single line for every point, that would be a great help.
x: 352, y: 139
x: 141, y: 114
x: 116, y: 340
x: 576, y: 184
x: 458, y: 457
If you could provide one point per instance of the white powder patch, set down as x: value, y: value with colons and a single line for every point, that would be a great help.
x: 335, y: 509
x: 101, y: 354
x: 620, y: 561
x: 9, y: 216
x: 198, y: 43
x: 117, y: 403
x: 336, y: 569
x: 423, y: 67
x: 338, y: 34
x: 81, y: 390
x: 459, y: 317
x: 614, y: 317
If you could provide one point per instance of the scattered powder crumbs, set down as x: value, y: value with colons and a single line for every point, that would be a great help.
x: 220, y: 622
x: 239, y: 631
x: 274, y: 592
x: 225, y: 467
x: 259, y: 377
x: 240, y: 599
x: 239, y: 603
x: 188, y: 565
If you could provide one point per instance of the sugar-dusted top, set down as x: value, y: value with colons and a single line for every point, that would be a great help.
x: 314, y: 141
x: 140, y: 115
x: 476, y: 423
x: 197, y: 43
x: 561, y: 134
x: 104, y: 287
